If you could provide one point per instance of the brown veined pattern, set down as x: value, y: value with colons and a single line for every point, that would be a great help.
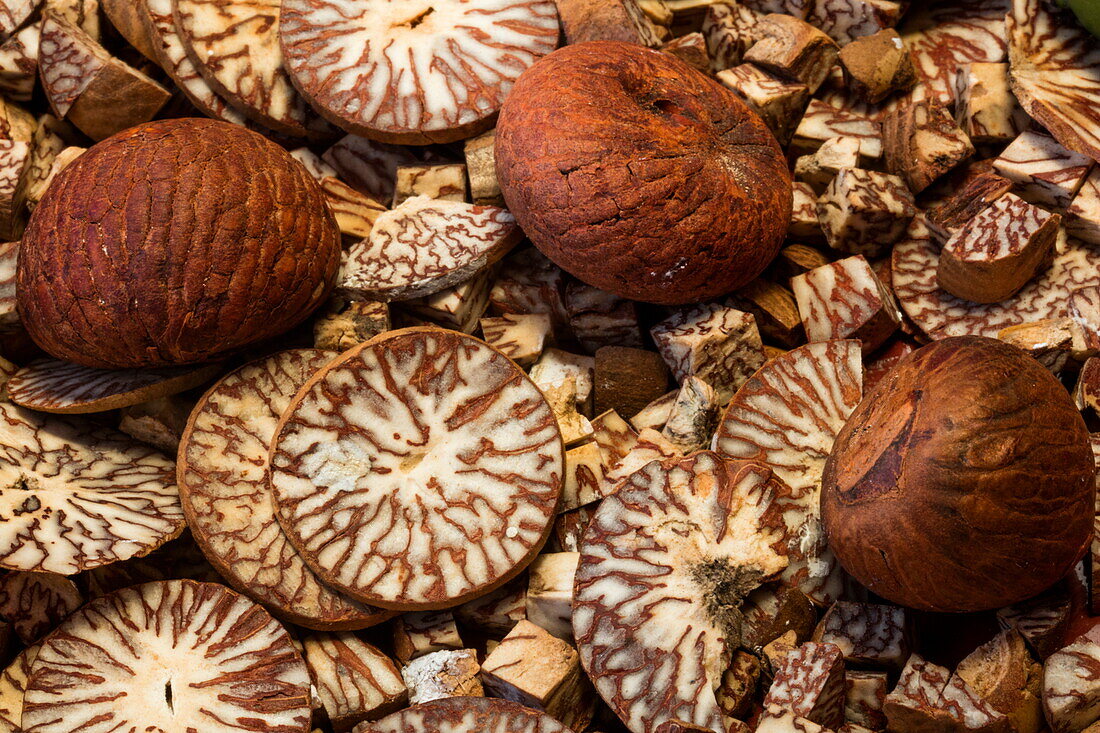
x: 466, y: 715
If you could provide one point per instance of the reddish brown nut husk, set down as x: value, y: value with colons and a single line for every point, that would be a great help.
x: 640, y: 175
x: 172, y: 243
x: 962, y: 482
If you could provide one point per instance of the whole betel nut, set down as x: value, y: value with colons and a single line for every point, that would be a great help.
x: 640, y: 175
x: 172, y: 243
x: 962, y: 482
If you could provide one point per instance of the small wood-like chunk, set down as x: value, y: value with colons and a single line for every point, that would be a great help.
x: 1071, y: 687
x: 1003, y: 672
x: 693, y: 415
x: 921, y: 142
x: 599, y: 318
x: 864, y: 212
x: 355, y: 212
x: 864, y: 696
x: 1042, y: 620
x: 809, y: 682
x: 845, y: 299
x: 779, y: 102
x: 424, y: 632
x: 1053, y: 342
x: 528, y: 282
x: 550, y: 592
x: 771, y: 612
x: 730, y: 30
x: 607, y: 20
x: 449, y: 673
x: 626, y: 379
x: 655, y: 414
x: 793, y: 49
x: 820, y: 168
x: 994, y: 255
x: 848, y: 21
x: 775, y: 310
x: 985, y: 108
x: 459, y: 307
x: 822, y: 122
x: 520, y: 337
x: 583, y: 477
x: 804, y: 223
x: 1082, y: 218
x: 953, y: 213
x: 562, y: 398
x: 740, y: 682
x: 481, y: 170
x: 570, y: 526
x: 352, y: 680
x: 877, y: 65
x: 691, y: 49
x: 867, y: 633
x: 1044, y: 172
x: 345, y: 326
x: 444, y: 181
x: 497, y: 612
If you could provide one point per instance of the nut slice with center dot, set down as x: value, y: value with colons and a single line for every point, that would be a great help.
x: 172, y: 656
x: 418, y: 71
x: 419, y: 470
x: 222, y: 474
x: 465, y: 715
x: 665, y: 564
x: 75, y: 495
x: 786, y: 417
x: 52, y: 385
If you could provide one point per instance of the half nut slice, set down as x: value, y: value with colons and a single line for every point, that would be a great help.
x: 419, y: 470
x: 465, y: 715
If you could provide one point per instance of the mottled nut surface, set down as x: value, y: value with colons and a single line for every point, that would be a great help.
x: 640, y: 175
x: 962, y: 482
x: 172, y: 243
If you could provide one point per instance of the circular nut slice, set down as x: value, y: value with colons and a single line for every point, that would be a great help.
x: 465, y: 715
x: 172, y: 656
x: 787, y: 416
x: 416, y: 71
x: 13, y: 685
x: 419, y: 470
x: 52, y: 385
x: 664, y: 567
x: 222, y: 474
x: 939, y: 314
x: 75, y: 495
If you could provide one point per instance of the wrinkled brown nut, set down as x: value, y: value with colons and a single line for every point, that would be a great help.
x: 793, y: 49
x: 845, y: 299
x: 598, y: 318
x: 466, y: 715
x: 809, y: 682
x: 865, y: 695
x: 1071, y: 690
x: 520, y: 337
x: 1082, y: 218
x: 497, y: 612
x: 481, y: 170
x: 984, y: 107
x: 353, y: 680
x: 35, y: 603
x: 877, y: 65
x: 439, y: 675
x: 459, y: 307
x: 368, y: 166
x: 775, y: 310
x: 345, y: 325
x: 821, y: 168
x: 730, y: 30
x: 867, y: 633
x: 778, y: 102
x: 692, y: 417
x: 823, y: 121
x: 1044, y: 172
x: 691, y: 49
x: 445, y: 181
x: 847, y: 21
x: 921, y: 142
x: 607, y: 20
x: 355, y: 212
x: 550, y: 592
x: 627, y: 379
x: 422, y: 632
x: 1003, y: 672
x: 954, y: 212
x: 1053, y: 342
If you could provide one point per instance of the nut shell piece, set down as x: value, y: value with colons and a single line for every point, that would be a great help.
x: 174, y: 242
x: 465, y: 715
x: 962, y: 482
x: 577, y: 160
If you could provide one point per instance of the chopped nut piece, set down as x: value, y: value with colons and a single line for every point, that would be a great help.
x: 627, y: 379
x: 797, y: 8
x: 793, y: 49
x: 562, y: 398
x: 1044, y: 172
x: 867, y: 633
x: 796, y: 259
x: 583, y: 477
x: 776, y: 719
x: 60, y: 162
x: 159, y: 422
x: 739, y: 684
x: 606, y: 20
x: 655, y: 414
x: 921, y: 142
x: 985, y: 108
x: 450, y: 673
x: 775, y: 310
x: 481, y: 170
x: 1071, y: 687
x: 46, y: 144
x: 445, y: 181
x: 865, y: 694
x: 771, y: 612
x: 809, y: 682
x: 1053, y: 342
x: 313, y: 163
x: 554, y: 367
x: 954, y: 212
x: 1087, y: 392
x: 864, y: 212
x: 355, y: 212
x: 804, y: 222
x: 599, y: 318
x: 823, y: 121
x: 845, y: 299
x: 777, y: 649
x: 550, y: 592
x: 423, y: 632
x: 691, y: 49
x: 521, y: 337
x: 846, y: 21
x: 528, y: 282
x: 498, y: 611
x: 927, y: 697
x: 459, y: 307
x: 15, y: 158
x: 344, y: 326
x: 693, y: 416
x: 35, y: 603
x: 821, y: 168
x: 570, y: 526
x: 877, y: 65
x: 998, y: 251
x: 1082, y: 218
x: 778, y: 102
x: 1003, y: 672
x: 730, y: 30
x: 1042, y: 620
x: 19, y: 64
x: 368, y: 166
x: 352, y: 680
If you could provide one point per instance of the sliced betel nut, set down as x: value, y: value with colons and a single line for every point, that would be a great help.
x: 664, y: 566
x: 172, y: 656
x: 465, y: 715
x: 787, y: 416
x: 52, y: 385
x: 413, y: 72
x: 75, y: 495
x: 226, y: 496
x: 419, y: 470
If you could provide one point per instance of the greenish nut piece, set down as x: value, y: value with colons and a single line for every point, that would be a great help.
x: 1087, y: 11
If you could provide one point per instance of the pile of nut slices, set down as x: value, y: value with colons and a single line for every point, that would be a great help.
x: 474, y: 493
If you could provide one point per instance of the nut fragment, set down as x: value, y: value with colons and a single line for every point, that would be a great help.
x: 863, y: 212
x: 730, y: 30
x: 794, y: 49
x: 354, y: 681
x: 446, y: 181
x: 368, y: 166
x: 349, y: 324
x: 627, y: 379
x: 775, y: 309
x: 550, y: 592
x: 778, y: 102
x: 440, y: 675
x: 422, y: 632
x: 846, y: 299
x: 497, y: 612
x: 1044, y: 172
x: 481, y: 169
x: 1071, y: 691
x: 1082, y: 218
x: 877, y: 65
x: 847, y: 21
x: 822, y: 167
x: 928, y: 697
x: 809, y: 682
x: 598, y: 318
x: 13, y: 683
x: 1003, y: 672
x: 867, y: 633
x: 921, y: 142
x: 954, y: 212
x: 865, y: 694
x: 823, y: 122
x: 458, y: 307
x: 466, y: 715
x: 520, y: 337
x: 985, y: 107
x: 606, y: 20
x: 34, y: 603
x: 692, y: 417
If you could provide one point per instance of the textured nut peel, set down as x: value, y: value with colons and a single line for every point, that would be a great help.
x: 962, y: 482
x: 640, y: 175
x: 174, y: 242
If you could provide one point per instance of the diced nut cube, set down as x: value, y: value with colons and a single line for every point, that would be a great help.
x: 1071, y: 687
x: 691, y: 49
x: 497, y: 612
x: 481, y: 170
x: 878, y: 65
x: 423, y: 632
x: 693, y: 416
x: 15, y: 158
x: 928, y: 697
x: 607, y: 20
x: 820, y: 168
x: 994, y: 255
x: 776, y: 650
x: 822, y: 122
x: 771, y: 612
x: 793, y: 49
x: 846, y: 299
x: 583, y: 477
x: 864, y: 212
x: 778, y: 102
x: 720, y: 345
x: 624, y: 451
x: 344, y: 326
x: 797, y: 8
x: 19, y: 63
x: 368, y: 166
x: 520, y: 337
x: 867, y: 633
x: 776, y: 719
x: 627, y: 379
x: 550, y: 592
x: 1082, y: 218
x: 353, y: 680
x: 1053, y: 342
x: 355, y: 212
x: 985, y: 107
x: 865, y: 694
x: 445, y: 181
x: 804, y: 224
x: 953, y: 213
x: 730, y: 31
x: 600, y: 319
x: 459, y: 307
x: 449, y: 673
x: 562, y: 398
x: 1004, y: 674
x: 921, y: 142
x: 555, y: 367
x: 809, y: 682
x: 848, y: 20
x: 1045, y: 173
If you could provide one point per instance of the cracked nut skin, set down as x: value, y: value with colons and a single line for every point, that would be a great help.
x: 640, y: 175
x: 175, y: 242
x: 962, y: 482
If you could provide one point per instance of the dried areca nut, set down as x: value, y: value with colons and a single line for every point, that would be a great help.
x: 809, y: 682
x: 954, y: 212
x: 1082, y: 218
x: 693, y: 416
x: 353, y: 680
x: 793, y: 49
x: 649, y: 445
x: 607, y: 20
x: 13, y: 13
x: 849, y: 21
x: 775, y: 650
x: 443, y: 674
x: 355, y: 212
x: 1084, y: 309
x: 15, y: 158
x: 1053, y: 342
x: 16, y: 123
x: 1043, y: 621
x: 1055, y: 71
x: 774, y: 610
x: 921, y: 142
x: 775, y: 310
x: 346, y: 325
x: 570, y: 526
x: 877, y: 65
x: 84, y: 13
x: 628, y: 379
x: 178, y: 559
x: 168, y: 655
x: 718, y: 344
x: 655, y: 414
x: 13, y: 684
x: 584, y: 477
x: 126, y: 17
x: 426, y: 74
x: 599, y: 318
x: 730, y: 30
x: 425, y: 431
x: 846, y: 299
x: 537, y: 670
x: 556, y: 366
x: 424, y: 246
x: 1044, y: 172
x: 481, y: 170
x: 87, y: 86
x: 550, y: 592
x: 422, y: 632
x: 446, y: 181
x: 19, y: 63
x: 997, y: 252
x: 703, y: 526
x: 495, y: 613
x: 822, y: 167
x: 34, y: 603
x: 459, y: 307
x: 867, y: 633
x: 984, y: 106
x: 223, y: 485
x: 60, y: 162
x: 46, y: 144
x: 691, y: 49
x: 864, y: 697
x: 822, y: 121
x: 778, y: 102
x: 1071, y: 689
x: 78, y: 495
x: 466, y: 715
x: 159, y: 422
x: 1004, y: 674
x: 562, y: 398
x: 775, y: 719
x: 769, y: 421
x: 528, y: 282
x: 313, y: 163
x: 740, y: 681
x: 863, y: 212
x: 657, y: 11
x: 917, y: 701
x: 1087, y: 391
x: 9, y: 312
x: 368, y: 166
x: 520, y: 337
x: 804, y: 222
